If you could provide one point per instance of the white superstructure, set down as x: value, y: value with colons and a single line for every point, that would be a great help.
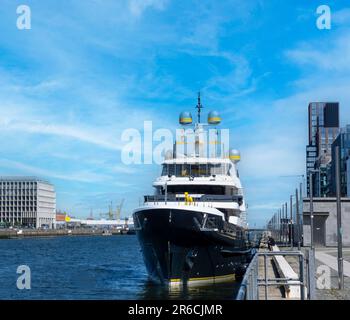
x: 193, y: 229
x: 195, y: 178
x: 207, y: 181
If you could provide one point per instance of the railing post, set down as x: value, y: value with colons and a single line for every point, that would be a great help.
x: 301, y: 277
x: 257, y: 276
x: 311, y: 274
x: 249, y: 286
x: 297, y: 214
x: 265, y: 268
x: 253, y: 284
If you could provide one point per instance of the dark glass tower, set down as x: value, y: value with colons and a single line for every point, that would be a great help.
x: 343, y: 142
x: 323, y: 130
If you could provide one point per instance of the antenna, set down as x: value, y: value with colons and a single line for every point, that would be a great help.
x: 199, y: 107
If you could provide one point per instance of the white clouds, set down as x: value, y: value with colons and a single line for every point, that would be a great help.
x: 332, y: 54
x: 264, y: 206
x: 237, y: 82
x: 341, y: 17
x: 325, y: 67
x: 275, y: 157
x: 281, y: 137
x: 137, y: 7
x: 122, y: 168
x: 94, y: 68
x: 81, y: 176
x: 86, y: 135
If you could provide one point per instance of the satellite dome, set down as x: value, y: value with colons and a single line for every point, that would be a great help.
x: 214, y: 117
x: 168, y: 155
x: 185, y: 118
x: 235, y: 155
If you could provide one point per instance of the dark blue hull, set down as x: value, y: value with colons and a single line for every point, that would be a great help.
x: 182, y: 246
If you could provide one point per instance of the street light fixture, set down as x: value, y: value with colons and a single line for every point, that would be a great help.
x: 311, y: 172
x: 339, y: 225
x: 297, y: 213
x: 299, y: 202
x: 291, y: 222
x: 286, y: 224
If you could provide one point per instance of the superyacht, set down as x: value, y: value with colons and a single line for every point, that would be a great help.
x: 193, y: 229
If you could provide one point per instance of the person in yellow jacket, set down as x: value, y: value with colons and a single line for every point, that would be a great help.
x: 188, y: 199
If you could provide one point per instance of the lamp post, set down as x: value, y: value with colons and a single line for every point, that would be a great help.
x: 297, y: 216
x: 339, y: 225
x: 311, y: 211
x: 286, y: 224
x: 301, y: 209
x: 276, y: 225
x: 280, y: 224
x: 301, y: 185
x: 291, y: 222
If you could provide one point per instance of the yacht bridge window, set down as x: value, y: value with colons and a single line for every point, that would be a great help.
x: 196, y: 170
x: 198, y: 189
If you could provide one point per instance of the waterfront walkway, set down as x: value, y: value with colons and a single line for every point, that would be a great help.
x: 332, y: 262
x: 273, y: 292
x: 328, y: 256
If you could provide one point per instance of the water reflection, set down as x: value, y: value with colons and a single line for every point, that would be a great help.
x: 219, y: 291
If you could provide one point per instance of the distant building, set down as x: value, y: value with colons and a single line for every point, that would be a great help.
x: 27, y: 201
x: 323, y: 130
x: 343, y: 141
x: 325, y: 221
x: 60, y: 216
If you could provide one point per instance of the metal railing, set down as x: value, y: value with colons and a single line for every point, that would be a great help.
x: 249, y: 286
x: 251, y: 283
x: 172, y: 197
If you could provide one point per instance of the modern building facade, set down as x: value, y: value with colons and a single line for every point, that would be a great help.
x: 27, y: 201
x: 323, y: 130
x: 343, y: 142
x: 325, y: 231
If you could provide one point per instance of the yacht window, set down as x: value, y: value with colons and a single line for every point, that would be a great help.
x: 195, y: 170
x: 197, y: 189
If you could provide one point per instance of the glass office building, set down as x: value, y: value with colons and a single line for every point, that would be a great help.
x: 323, y: 120
x: 343, y: 141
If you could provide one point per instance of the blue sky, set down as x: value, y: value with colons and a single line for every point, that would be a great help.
x: 87, y: 70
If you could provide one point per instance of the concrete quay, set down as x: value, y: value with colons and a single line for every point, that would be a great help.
x: 327, y: 256
x: 273, y: 292
x: 12, y: 233
x: 326, y: 272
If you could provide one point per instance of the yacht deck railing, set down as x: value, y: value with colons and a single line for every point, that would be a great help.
x: 171, y: 197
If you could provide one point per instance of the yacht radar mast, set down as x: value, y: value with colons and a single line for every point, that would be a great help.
x: 199, y: 107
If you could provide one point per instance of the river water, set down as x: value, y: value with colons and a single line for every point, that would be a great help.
x: 88, y: 267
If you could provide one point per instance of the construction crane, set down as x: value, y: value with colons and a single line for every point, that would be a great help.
x: 107, y: 215
x: 91, y: 216
x: 110, y: 214
x: 110, y: 211
x: 119, y: 209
